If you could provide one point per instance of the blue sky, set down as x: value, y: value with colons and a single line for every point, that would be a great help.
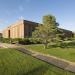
x: 33, y: 10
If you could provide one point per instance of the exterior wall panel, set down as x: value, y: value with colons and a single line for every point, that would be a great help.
x: 29, y: 27
x: 16, y: 30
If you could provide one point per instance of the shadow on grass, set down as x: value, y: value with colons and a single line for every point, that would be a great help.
x: 37, y: 71
x: 45, y: 70
x: 61, y: 46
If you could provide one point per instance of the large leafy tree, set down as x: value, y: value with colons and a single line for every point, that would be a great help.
x: 48, y: 30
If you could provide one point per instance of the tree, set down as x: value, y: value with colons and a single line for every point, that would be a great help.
x: 47, y: 31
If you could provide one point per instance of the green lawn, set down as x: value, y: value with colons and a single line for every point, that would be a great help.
x: 13, y: 62
x: 65, y: 53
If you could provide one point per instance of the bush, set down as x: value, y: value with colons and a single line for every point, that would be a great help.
x: 24, y: 41
x: 35, y: 40
x: 62, y: 44
x: 6, y: 40
x: 16, y: 40
x: 30, y: 41
x: 68, y: 44
x: 50, y: 45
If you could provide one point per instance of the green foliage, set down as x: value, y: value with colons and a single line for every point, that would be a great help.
x: 62, y: 44
x: 35, y: 40
x: 25, y: 41
x: 67, y: 53
x: 15, y: 40
x: 47, y: 31
x: 49, y: 21
x: 10, y: 40
x: 68, y: 44
x: 5, y: 40
x: 13, y: 62
x: 74, y: 37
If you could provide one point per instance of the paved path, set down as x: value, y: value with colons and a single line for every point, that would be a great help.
x: 61, y: 63
x: 5, y: 45
x: 64, y: 64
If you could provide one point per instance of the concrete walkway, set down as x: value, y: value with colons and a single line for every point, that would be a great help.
x: 61, y: 63
x: 5, y: 45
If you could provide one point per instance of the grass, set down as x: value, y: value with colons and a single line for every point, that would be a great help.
x: 65, y: 53
x: 13, y: 62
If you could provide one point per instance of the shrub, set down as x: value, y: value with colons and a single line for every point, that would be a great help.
x: 6, y: 40
x: 68, y: 44
x: 30, y: 41
x: 24, y: 41
x: 16, y: 40
x: 35, y: 40
x: 62, y: 44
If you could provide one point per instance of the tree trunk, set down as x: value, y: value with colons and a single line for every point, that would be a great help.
x: 45, y: 44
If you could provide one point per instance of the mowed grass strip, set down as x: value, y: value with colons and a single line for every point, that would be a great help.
x: 65, y: 53
x: 13, y: 62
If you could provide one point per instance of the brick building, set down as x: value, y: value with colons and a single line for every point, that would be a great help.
x: 20, y: 29
x: 24, y: 28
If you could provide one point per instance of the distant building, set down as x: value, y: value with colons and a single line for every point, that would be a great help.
x: 24, y: 28
x: 67, y: 33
